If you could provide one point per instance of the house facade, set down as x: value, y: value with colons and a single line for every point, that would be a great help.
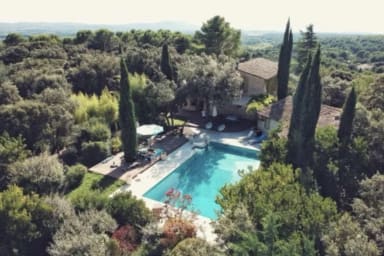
x: 260, y: 77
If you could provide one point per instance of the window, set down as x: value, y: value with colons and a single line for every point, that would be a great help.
x: 267, y: 124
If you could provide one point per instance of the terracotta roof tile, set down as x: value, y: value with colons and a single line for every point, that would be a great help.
x: 259, y: 67
x: 281, y: 111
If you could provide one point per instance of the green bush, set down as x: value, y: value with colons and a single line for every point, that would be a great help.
x: 42, y: 174
x: 94, y: 152
x: 116, y: 145
x: 99, y: 131
x: 194, y: 247
x: 70, y: 156
x: 74, y: 176
x: 126, y: 209
x: 90, y: 199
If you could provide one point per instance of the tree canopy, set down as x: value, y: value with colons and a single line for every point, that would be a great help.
x: 276, y: 212
x: 284, y: 63
x: 127, y: 116
x: 218, y: 37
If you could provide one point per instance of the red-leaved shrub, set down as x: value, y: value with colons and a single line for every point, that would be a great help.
x: 176, y: 230
x: 127, y: 238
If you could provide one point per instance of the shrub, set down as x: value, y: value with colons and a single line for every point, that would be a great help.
x: 90, y: 199
x: 70, y: 156
x: 116, y: 145
x: 99, y: 131
x: 176, y: 230
x: 194, y: 247
x: 94, y: 152
x: 74, y: 176
x: 42, y: 174
x: 83, y: 234
x: 126, y: 209
x: 127, y: 238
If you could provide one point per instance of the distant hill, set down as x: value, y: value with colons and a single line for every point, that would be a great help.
x: 70, y: 29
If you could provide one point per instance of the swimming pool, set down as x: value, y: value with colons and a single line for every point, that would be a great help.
x: 202, y: 176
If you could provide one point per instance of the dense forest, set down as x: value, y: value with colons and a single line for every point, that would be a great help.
x: 61, y: 112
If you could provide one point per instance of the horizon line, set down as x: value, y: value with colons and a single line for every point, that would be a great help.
x: 275, y: 30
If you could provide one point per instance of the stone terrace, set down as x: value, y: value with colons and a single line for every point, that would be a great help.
x: 116, y: 168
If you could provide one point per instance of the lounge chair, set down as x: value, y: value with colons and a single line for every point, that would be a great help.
x: 258, y: 139
x: 208, y: 125
x: 133, y: 165
x: 232, y: 118
x: 221, y: 128
x: 249, y: 135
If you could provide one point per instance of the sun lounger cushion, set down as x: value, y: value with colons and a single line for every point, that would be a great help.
x: 208, y: 125
x: 221, y: 127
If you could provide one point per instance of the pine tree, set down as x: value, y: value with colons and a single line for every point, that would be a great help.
x: 165, y: 64
x: 127, y: 116
x: 305, y: 114
x: 284, y: 63
x: 345, y: 127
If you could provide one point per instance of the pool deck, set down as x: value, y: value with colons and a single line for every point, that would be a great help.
x: 151, y: 176
x: 115, y: 167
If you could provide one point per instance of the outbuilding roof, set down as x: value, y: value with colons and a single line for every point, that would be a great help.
x: 281, y: 111
x: 260, y: 67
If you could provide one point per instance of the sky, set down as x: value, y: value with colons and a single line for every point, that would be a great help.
x: 342, y: 16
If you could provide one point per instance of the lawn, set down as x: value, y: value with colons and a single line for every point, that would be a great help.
x: 105, y: 185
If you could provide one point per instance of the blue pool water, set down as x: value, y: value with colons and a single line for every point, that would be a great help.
x: 204, y: 174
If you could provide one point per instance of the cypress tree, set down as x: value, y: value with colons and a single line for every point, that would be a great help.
x: 284, y: 63
x: 305, y: 114
x: 165, y: 64
x: 127, y: 116
x: 348, y: 176
x: 312, y: 107
x: 345, y: 127
x: 295, y: 126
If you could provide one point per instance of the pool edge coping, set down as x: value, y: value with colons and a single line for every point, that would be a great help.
x: 175, y: 159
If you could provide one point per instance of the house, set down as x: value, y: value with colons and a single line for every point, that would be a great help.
x: 260, y: 77
x: 280, y: 112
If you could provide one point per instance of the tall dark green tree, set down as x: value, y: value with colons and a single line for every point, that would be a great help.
x: 305, y: 46
x: 218, y: 37
x: 127, y: 116
x: 345, y: 127
x: 348, y: 174
x: 165, y: 64
x: 305, y: 114
x: 284, y: 63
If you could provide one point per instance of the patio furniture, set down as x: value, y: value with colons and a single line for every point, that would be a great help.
x: 258, y: 139
x: 150, y: 154
x: 249, y: 135
x: 200, y: 141
x: 133, y: 165
x: 232, y: 118
x: 208, y: 125
x: 221, y: 128
x: 149, y: 129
